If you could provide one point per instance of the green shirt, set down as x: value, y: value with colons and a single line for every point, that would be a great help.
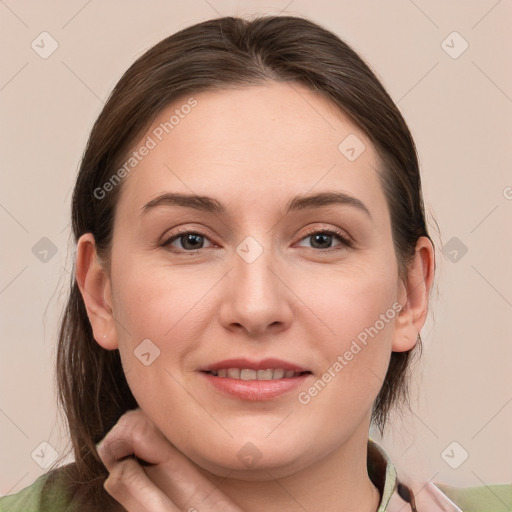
x: 37, y: 498
x: 493, y: 498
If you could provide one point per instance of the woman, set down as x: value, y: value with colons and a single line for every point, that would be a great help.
x: 253, y: 269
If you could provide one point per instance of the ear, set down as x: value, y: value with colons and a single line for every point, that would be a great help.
x: 94, y: 284
x: 414, y: 296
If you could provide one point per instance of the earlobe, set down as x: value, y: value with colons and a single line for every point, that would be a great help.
x: 94, y: 284
x: 416, y: 288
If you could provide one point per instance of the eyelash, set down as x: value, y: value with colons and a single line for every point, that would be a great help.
x: 342, y: 237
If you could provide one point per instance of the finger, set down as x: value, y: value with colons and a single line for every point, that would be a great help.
x: 136, y: 434
x: 130, y: 486
x: 190, y: 490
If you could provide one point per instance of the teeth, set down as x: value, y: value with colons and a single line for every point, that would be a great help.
x: 234, y: 373
x: 265, y: 374
x: 278, y: 373
x: 247, y: 374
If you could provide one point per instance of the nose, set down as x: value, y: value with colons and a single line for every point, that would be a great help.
x: 257, y: 299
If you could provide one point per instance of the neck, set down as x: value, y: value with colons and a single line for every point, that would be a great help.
x: 337, y: 482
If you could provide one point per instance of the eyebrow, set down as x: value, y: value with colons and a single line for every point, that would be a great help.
x: 297, y: 203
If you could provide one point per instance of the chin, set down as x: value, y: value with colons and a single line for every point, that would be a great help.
x: 249, y: 461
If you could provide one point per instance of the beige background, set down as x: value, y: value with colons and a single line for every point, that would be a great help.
x: 459, y: 111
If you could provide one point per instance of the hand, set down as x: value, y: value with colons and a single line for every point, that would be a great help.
x: 142, y: 462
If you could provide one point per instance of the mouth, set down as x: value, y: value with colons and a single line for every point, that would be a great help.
x: 255, y: 381
x: 247, y: 374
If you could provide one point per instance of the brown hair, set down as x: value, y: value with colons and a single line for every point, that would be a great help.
x: 220, y: 53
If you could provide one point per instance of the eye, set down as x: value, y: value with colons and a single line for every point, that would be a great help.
x: 321, y: 239
x: 189, y: 240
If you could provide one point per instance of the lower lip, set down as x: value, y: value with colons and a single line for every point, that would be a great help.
x: 255, y: 390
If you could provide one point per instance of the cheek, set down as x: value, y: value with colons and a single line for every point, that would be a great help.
x: 156, y: 329
x: 157, y: 302
x: 349, y: 301
x: 358, y: 313
x: 160, y: 319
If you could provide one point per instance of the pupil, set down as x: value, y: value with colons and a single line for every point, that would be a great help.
x: 322, y: 236
x: 190, y: 237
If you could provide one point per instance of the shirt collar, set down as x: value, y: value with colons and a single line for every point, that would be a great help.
x: 381, y: 472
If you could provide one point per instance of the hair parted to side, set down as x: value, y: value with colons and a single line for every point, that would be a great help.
x: 216, y: 54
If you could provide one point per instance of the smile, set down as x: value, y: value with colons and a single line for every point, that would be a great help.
x: 248, y: 374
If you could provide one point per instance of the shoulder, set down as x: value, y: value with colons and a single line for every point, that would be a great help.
x: 440, y: 497
x: 28, y: 498
x: 491, y: 498
x: 47, y: 493
x: 404, y: 495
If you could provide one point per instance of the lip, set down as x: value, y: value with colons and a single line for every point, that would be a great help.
x: 254, y: 390
x: 264, y: 364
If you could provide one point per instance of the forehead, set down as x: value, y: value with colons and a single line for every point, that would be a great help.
x: 270, y: 141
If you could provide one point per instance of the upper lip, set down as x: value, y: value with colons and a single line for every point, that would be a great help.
x: 243, y: 363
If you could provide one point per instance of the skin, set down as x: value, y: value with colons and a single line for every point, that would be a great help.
x: 253, y: 149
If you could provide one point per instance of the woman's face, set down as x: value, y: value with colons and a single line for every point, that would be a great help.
x: 255, y: 283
